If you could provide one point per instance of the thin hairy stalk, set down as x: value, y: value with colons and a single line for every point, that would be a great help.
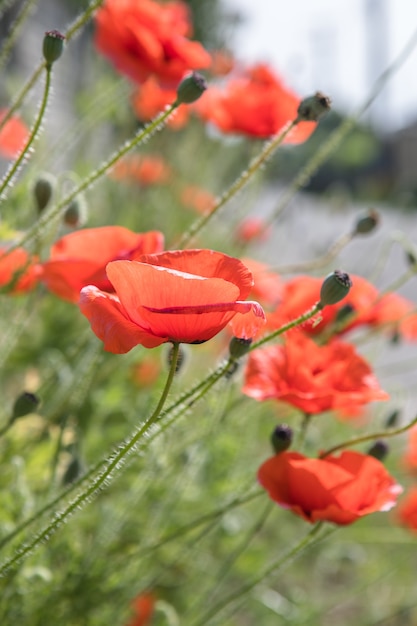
x: 55, y: 211
x: 338, y: 135
x: 14, y: 168
x: 267, y: 151
x: 272, y: 568
x: 382, y: 434
x: 321, y: 261
x: 112, y: 466
x: 12, y: 36
x: 72, y: 30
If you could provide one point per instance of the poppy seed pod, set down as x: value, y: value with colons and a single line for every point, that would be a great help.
x: 53, y: 45
x: 191, y: 88
x: 281, y: 438
x: 334, y: 288
x: 367, y: 223
x: 313, y: 107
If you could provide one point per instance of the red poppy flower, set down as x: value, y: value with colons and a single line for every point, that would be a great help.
x: 252, y: 229
x: 143, y: 607
x: 19, y: 272
x: 150, y: 99
x: 267, y: 285
x: 407, y: 510
x: 183, y: 296
x: 147, y: 38
x: 256, y: 103
x: 196, y: 198
x: 144, y: 169
x: 311, y: 377
x: 410, y: 457
x: 333, y: 489
x: 80, y: 258
x: 13, y: 136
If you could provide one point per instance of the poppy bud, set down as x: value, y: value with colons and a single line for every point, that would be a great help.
x: 411, y: 257
x: 53, y: 45
x: 367, y: 223
x: 313, y: 107
x: 43, y: 190
x: 392, y: 419
x: 379, y: 450
x: 281, y: 438
x: 239, y: 347
x: 191, y: 88
x: 335, y: 287
x: 24, y: 404
x: 76, y: 213
x: 344, y: 313
x: 74, y: 470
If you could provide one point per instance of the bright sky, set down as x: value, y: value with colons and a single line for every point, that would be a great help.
x: 325, y: 45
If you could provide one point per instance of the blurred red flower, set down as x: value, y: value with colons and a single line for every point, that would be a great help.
x: 143, y: 169
x: 267, y: 285
x: 197, y: 198
x: 149, y: 38
x: 183, y: 296
x: 252, y: 229
x: 407, y: 510
x: 410, y: 456
x: 150, y: 99
x: 333, y: 489
x: 80, y: 258
x: 143, y: 606
x: 222, y: 62
x: 19, y: 272
x: 256, y: 103
x: 310, y: 377
x: 13, y: 136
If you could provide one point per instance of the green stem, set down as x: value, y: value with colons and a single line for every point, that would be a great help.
x: 383, y: 434
x: 283, y: 329
x: 9, y: 42
x: 73, y: 29
x: 33, y: 135
x: 113, y: 465
x: 314, y: 264
x: 267, y: 151
x: 270, y: 569
x: 54, y: 211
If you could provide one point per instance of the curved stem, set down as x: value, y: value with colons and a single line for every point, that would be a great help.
x: 113, y: 465
x: 267, y: 151
x: 9, y: 42
x: 319, y: 262
x: 33, y: 134
x: 270, y: 569
x: 383, y: 434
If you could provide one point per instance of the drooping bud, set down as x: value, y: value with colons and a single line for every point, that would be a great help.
x: 367, y: 223
x: 53, y: 45
x: 76, y: 213
x: 74, y: 470
x: 411, y: 257
x: 239, y: 347
x: 334, y: 288
x: 191, y: 88
x: 281, y: 438
x: 379, y: 450
x: 43, y: 190
x: 392, y: 419
x: 313, y: 107
x: 24, y: 404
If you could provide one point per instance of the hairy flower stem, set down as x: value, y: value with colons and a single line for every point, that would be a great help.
x: 283, y: 329
x: 7, y: 179
x: 10, y: 40
x: 267, y: 151
x: 274, y: 567
x: 80, y: 21
x: 113, y: 465
x: 383, y: 434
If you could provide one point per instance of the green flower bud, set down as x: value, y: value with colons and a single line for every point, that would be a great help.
x: 43, y: 190
x: 239, y: 347
x: 367, y: 223
x: 191, y: 88
x: 379, y: 450
x: 344, y: 313
x: 281, y: 438
x: 392, y: 419
x: 313, y: 107
x: 53, y: 45
x: 24, y: 404
x: 76, y: 213
x: 335, y: 287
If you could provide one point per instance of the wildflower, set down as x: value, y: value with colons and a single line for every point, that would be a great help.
x: 256, y: 103
x: 410, y: 457
x: 407, y: 510
x: 182, y: 296
x: 310, y: 377
x: 143, y: 169
x: 222, y: 62
x: 145, y: 373
x: 13, y: 136
x: 19, y: 272
x: 196, y: 198
x: 150, y: 99
x: 147, y: 38
x: 143, y: 606
x: 333, y: 489
x: 252, y: 229
x: 80, y: 258
x: 267, y: 285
